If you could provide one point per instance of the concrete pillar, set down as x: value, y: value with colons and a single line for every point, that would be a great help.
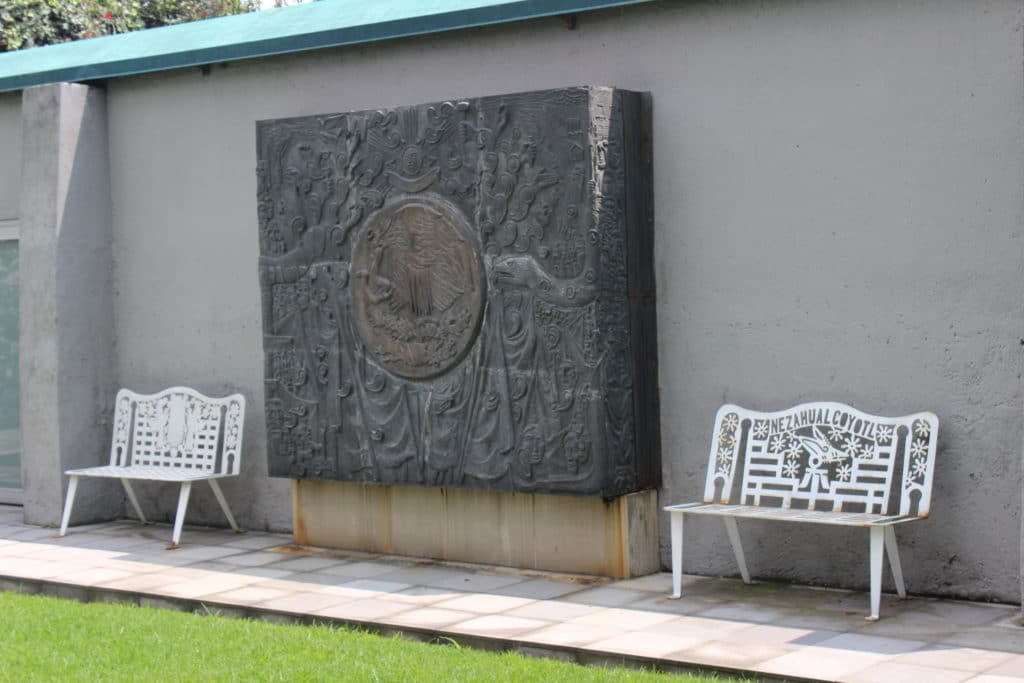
x: 67, y: 321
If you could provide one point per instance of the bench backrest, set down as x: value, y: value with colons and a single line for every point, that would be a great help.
x: 178, y: 427
x: 823, y: 456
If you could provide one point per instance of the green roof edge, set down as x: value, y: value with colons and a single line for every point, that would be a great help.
x: 333, y: 37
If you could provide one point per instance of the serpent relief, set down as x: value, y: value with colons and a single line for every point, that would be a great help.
x: 457, y: 294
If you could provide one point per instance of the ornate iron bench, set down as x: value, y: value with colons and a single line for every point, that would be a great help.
x: 176, y: 435
x: 824, y: 463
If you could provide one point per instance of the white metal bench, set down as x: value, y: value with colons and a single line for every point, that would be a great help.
x: 176, y: 435
x: 825, y: 463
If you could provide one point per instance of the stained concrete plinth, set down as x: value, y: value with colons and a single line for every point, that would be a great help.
x: 617, y: 538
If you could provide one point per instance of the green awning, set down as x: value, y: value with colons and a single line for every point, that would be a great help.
x: 328, y: 23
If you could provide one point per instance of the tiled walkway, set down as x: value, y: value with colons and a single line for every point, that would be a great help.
x: 773, y: 630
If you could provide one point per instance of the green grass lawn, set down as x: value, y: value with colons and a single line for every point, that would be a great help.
x: 48, y: 639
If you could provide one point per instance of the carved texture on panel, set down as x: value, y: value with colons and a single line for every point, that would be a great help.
x: 419, y: 287
x: 445, y: 294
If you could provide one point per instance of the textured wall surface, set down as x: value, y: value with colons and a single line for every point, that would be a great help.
x: 10, y: 154
x: 66, y: 342
x: 838, y: 217
x: 446, y: 300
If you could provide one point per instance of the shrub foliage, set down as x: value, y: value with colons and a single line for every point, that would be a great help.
x: 31, y: 23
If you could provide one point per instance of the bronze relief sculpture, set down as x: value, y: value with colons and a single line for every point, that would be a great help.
x: 461, y: 294
x: 419, y: 286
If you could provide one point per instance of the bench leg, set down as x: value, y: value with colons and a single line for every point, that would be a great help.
x: 894, y: 561
x: 677, y: 553
x: 134, y: 501
x: 877, y: 551
x: 223, y: 503
x: 68, y: 502
x: 179, y: 519
x: 737, y: 548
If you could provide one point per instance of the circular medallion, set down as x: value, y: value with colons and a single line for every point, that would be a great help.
x: 418, y: 286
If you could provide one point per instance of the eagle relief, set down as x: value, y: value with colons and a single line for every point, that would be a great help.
x: 460, y: 294
x: 418, y: 288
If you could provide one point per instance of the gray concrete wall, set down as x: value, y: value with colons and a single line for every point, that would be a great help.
x: 66, y: 339
x: 10, y: 154
x: 838, y: 208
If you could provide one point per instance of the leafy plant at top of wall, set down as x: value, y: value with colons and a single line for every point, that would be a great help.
x: 33, y: 23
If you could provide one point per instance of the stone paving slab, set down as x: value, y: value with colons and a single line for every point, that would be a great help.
x: 768, y: 631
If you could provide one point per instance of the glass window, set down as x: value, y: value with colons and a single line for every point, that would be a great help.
x: 10, y: 448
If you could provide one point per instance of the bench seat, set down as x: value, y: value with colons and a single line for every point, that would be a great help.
x: 145, y: 473
x: 789, y: 515
x: 816, y: 463
x: 177, y: 435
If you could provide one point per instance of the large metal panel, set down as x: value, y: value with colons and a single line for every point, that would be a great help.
x: 461, y: 294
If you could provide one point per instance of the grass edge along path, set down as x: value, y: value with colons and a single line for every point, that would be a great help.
x: 51, y: 639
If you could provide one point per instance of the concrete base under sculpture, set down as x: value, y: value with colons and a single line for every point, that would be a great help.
x: 575, y: 534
